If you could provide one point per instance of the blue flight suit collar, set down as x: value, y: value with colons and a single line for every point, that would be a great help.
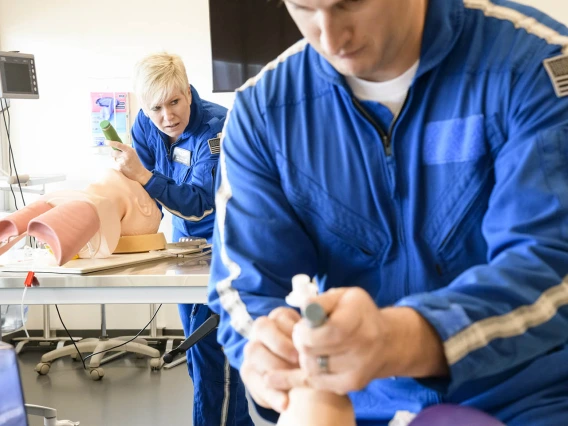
x: 444, y: 23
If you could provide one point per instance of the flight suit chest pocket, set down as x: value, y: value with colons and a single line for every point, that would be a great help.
x: 203, y: 176
x: 350, y: 237
x: 457, y: 171
x: 181, y: 173
x: 181, y: 164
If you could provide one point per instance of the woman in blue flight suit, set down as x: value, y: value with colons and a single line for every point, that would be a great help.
x: 175, y: 155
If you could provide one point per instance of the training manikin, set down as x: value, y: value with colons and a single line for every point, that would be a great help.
x: 308, y: 406
x: 311, y: 407
x: 88, y: 222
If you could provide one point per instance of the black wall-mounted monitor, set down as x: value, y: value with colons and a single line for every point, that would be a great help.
x: 245, y: 36
x: 18, y: 78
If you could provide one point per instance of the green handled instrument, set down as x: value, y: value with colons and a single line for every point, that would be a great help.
x: 109, y: 132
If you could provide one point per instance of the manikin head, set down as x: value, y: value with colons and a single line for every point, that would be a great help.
x: 375, y: 40
x: 162, y: 88
x: 122, y: 207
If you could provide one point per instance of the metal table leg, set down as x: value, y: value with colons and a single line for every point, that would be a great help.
x: 49, y: 337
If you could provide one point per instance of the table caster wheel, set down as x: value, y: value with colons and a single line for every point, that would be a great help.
x: 43, y: 368
x: 155, y: 364
x: 97, y: 373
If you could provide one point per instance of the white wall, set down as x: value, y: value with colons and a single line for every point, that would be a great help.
x: 558, y: 9
x: 83, y: 46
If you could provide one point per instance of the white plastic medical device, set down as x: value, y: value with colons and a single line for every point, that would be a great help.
x: 302, y: 290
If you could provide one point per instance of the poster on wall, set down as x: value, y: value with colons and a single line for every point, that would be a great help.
x: 111, y: 106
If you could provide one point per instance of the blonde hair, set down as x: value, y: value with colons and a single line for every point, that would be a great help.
x: 157, y: 76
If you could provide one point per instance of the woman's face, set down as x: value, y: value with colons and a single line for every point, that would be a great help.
x: 172, y: 115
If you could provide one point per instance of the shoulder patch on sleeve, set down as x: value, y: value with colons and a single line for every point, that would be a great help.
x: 214, y: 145
x: 557, y: 69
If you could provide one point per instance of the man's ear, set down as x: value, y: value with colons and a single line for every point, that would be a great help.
x: 189, y: 94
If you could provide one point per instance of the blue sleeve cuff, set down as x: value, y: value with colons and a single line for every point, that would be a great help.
x: 156, y: 185
x: 266, y: 413
x: 447, y: 319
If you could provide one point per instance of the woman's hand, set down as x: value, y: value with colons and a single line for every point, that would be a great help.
x: 128, y: 163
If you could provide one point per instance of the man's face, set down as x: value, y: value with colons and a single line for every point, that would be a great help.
x: 360, y: 38
x: 172, y: 115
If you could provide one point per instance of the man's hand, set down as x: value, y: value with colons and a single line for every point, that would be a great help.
x: 128, y: 163
x: 361, y: 343
x: 270, y: 348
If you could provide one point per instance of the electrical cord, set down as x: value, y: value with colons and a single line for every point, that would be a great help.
x: 12, y: 154
x: 106, y: 350
x: 22, y: 312
x: 7, y: 126
x: 11, y: 160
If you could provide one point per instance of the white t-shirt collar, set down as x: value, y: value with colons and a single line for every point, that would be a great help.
x: 391, y: 93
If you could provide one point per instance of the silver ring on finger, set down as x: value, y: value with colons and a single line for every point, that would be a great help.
x: 323, y: 364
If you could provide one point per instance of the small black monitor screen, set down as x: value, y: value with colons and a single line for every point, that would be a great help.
x: 17, y: 78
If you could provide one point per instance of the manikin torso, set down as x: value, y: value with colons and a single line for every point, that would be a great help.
x: 87, y: 222
x: 123, y: 208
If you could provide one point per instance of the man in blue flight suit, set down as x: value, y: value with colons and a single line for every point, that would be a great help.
x: 412, y: 156
x: 175, y: 155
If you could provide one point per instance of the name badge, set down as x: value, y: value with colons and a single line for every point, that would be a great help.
x: 182, y: 156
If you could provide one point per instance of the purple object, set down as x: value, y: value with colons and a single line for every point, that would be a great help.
x: 452, y: 415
